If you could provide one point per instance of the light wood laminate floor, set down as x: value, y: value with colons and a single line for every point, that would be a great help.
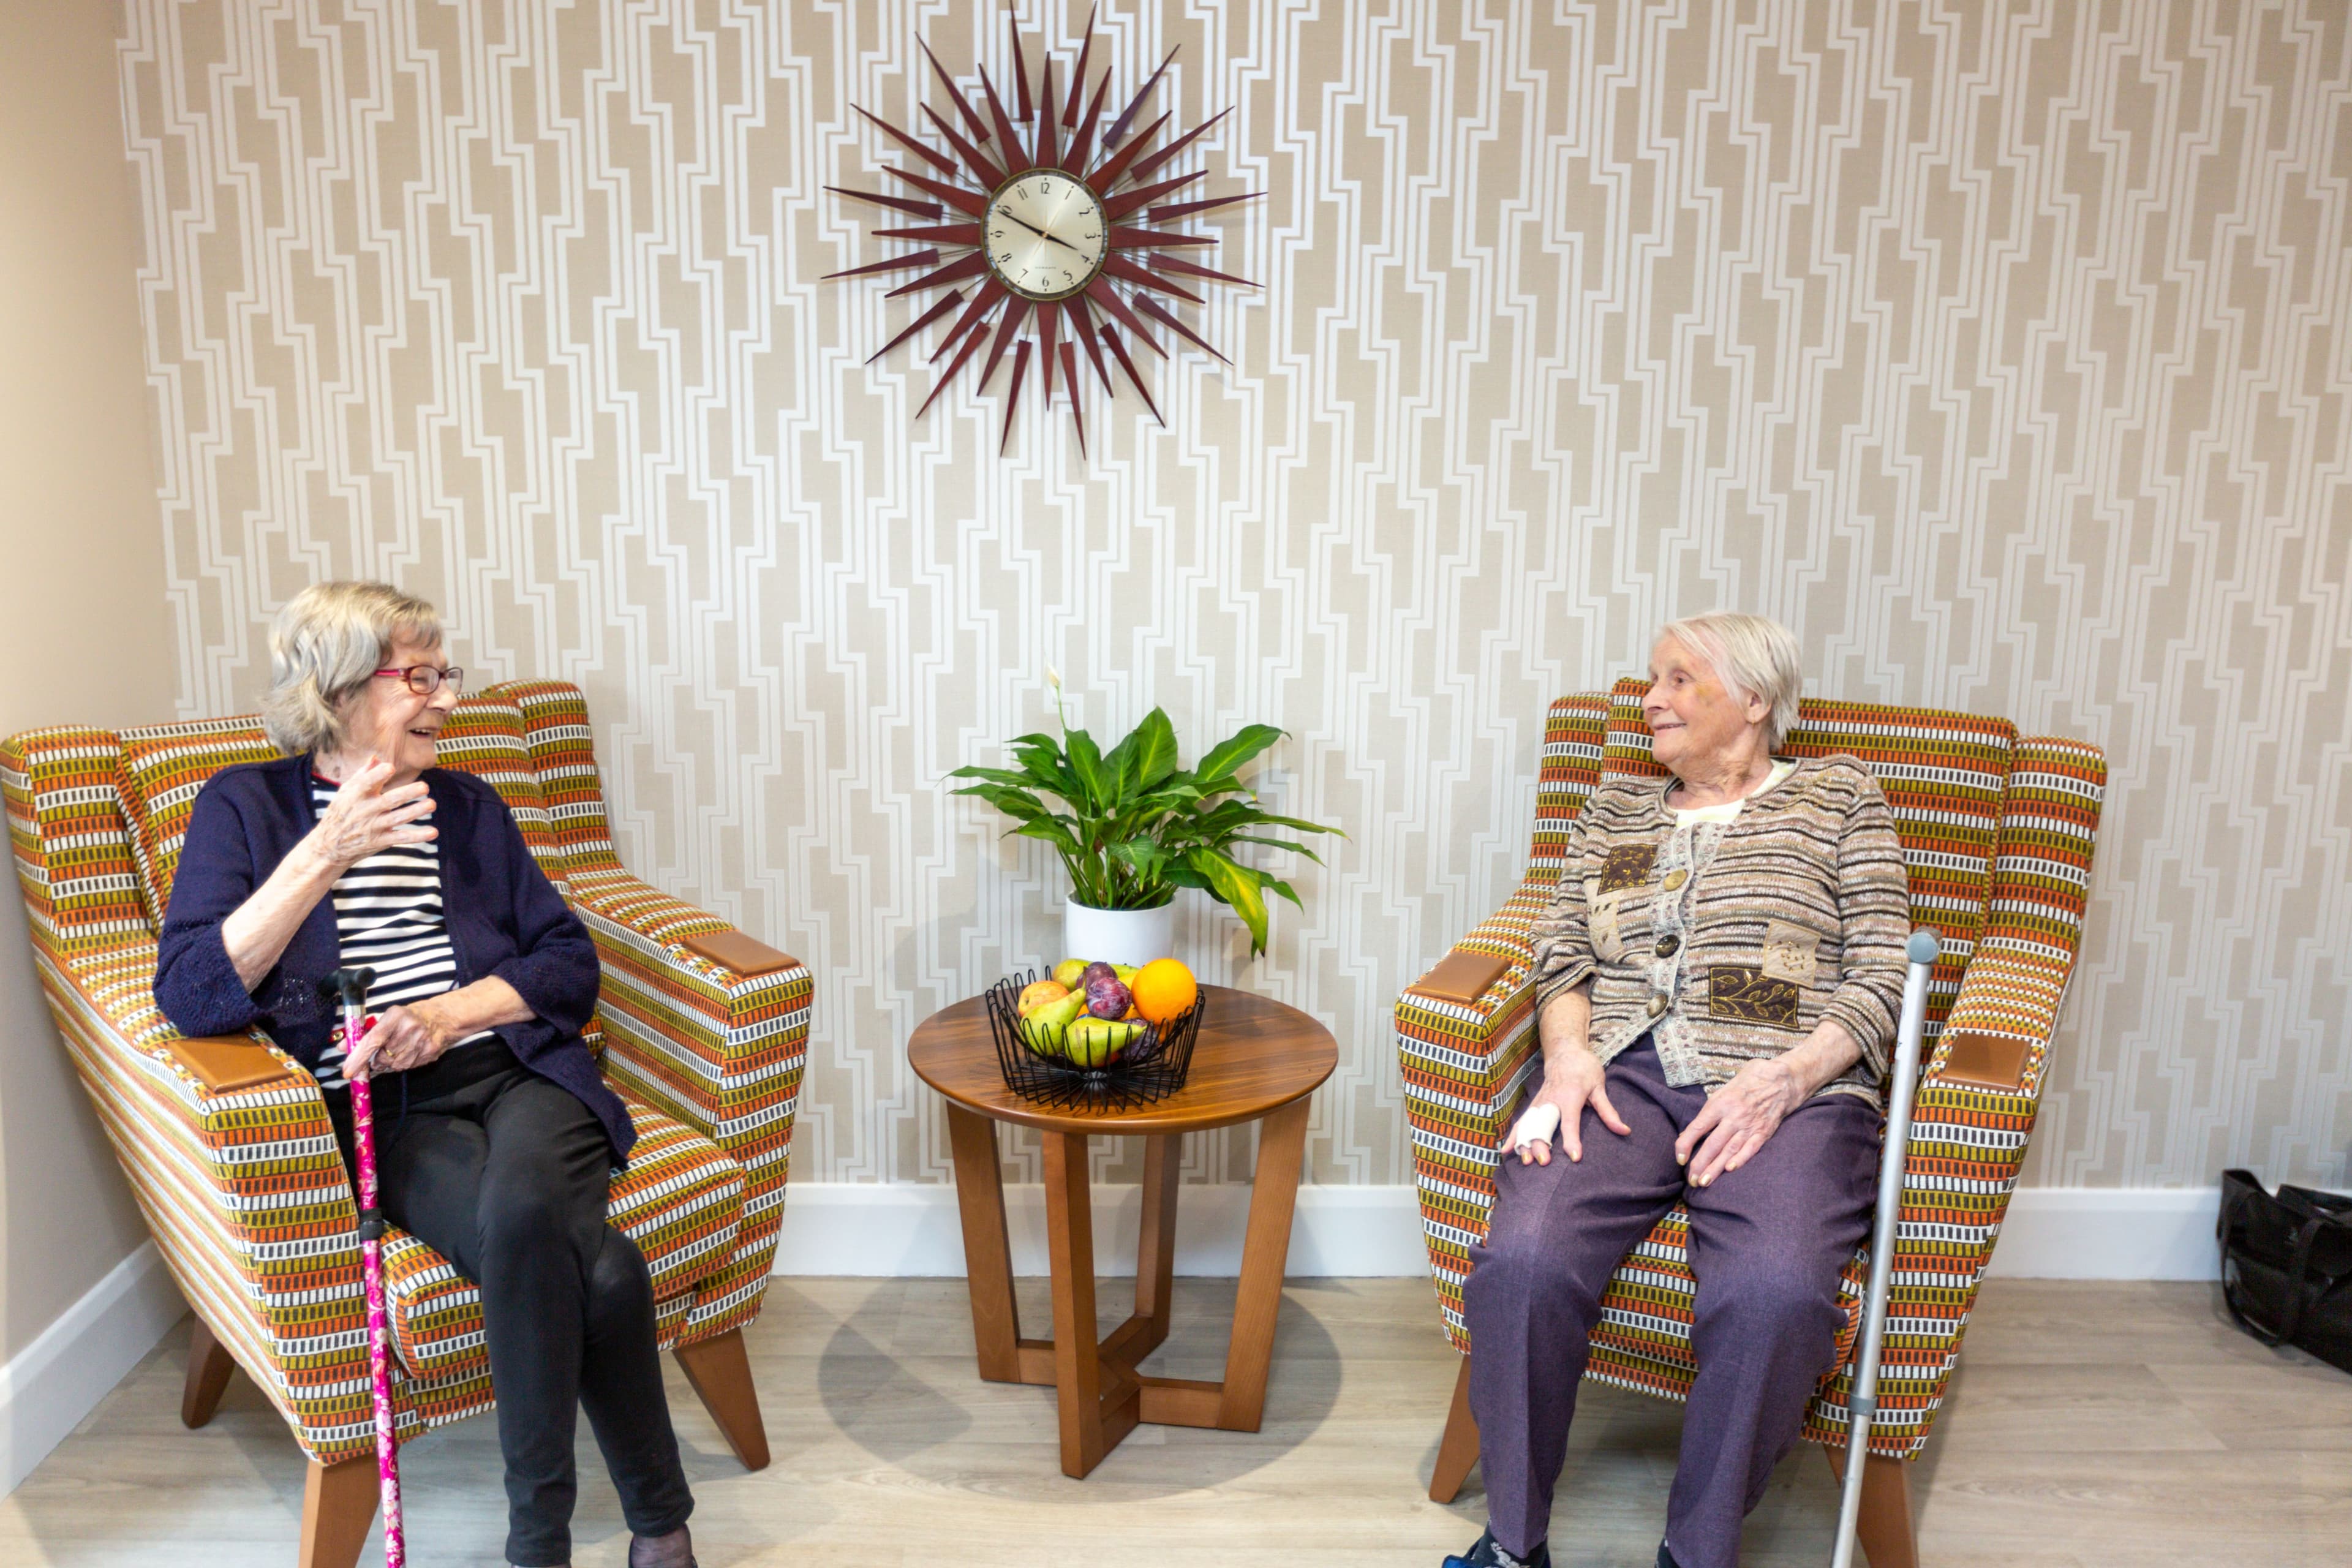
x: 2091, y: 1425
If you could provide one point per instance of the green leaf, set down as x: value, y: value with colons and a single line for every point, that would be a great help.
x: 1235, y: 886
x: 1054, y: 781
x: 1245, y: 814
x: 1277, y: 885
x: 993, y: 775
x: 1276, y: 844
x: 1298, y: 824
x: 1148, y: 859
x: 1225, y: 759
x: 1116, y: 760
x: 1053, y: 831
x: 1154, y: 756
x: 1085, y: 762
x: 1016, y: 804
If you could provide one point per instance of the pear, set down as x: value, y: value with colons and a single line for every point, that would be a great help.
x: 1044, y: 1030
x: 1092, y: 1042
x: 1066, y: 974
x: 1126, y: 973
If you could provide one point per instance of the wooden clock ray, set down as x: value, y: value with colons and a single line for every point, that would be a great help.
x: 1056, y: 222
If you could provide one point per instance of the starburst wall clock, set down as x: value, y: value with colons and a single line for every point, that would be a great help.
x: 1056, y: 222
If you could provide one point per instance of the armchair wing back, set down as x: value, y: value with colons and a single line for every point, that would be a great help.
x: 227, y: 1146
x: 1998, y: 834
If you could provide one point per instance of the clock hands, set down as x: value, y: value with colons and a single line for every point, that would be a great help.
x: 1042, y: 234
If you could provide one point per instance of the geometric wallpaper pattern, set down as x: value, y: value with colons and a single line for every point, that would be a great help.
x: 2002, y: 350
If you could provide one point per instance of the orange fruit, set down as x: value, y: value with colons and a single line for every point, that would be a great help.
x: 1164, y: 989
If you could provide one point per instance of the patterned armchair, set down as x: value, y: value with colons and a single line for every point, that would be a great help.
x: 227, y: 1142
x: 1998, y: 831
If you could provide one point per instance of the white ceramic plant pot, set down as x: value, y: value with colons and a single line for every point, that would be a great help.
x: 1119, y: 936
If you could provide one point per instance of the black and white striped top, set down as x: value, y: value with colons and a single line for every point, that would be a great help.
x: 388, y: 916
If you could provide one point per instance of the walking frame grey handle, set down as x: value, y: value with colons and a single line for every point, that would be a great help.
x: 1863, y: 1405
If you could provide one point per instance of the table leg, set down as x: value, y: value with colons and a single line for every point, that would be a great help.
x: 1090, y: 1426
x: 1274, y: 1197
x: 987, y: 1248
x: 1155, y: 1251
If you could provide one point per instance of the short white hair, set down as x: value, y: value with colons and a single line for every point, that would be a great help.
x: 1755, y: 656
x: 325, y: 646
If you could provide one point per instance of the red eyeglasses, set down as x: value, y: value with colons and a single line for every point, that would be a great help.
x: 425, y: 679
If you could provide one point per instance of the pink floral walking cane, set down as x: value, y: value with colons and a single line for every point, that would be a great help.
x: 351, y: 985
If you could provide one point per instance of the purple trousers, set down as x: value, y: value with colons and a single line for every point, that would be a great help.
x: 1767, y: 1243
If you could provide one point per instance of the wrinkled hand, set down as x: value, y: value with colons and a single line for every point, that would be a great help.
x: 402, y: 1039
x: 1738, y: 1120
x: 364, y: 817
x: 1572, y: 1080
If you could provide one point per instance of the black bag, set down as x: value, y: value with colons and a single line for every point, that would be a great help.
x: 2286, y: 1266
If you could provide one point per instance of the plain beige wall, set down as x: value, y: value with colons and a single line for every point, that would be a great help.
x: 83, y: 634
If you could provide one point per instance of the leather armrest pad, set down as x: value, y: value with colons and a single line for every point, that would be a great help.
x: 1462, y: 976
x: 1989, y: 1061
x: 224, y: 1063
x: 733, y: 949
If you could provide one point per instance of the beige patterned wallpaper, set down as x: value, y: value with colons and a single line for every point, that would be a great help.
x: 2000, y: 349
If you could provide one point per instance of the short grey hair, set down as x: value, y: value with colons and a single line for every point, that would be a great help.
x: 324, y: 647
x: 1752, y: 655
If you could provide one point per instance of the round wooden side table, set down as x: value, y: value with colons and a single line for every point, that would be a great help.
x: 1255, y: 1059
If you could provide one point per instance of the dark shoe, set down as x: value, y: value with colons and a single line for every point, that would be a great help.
x: 1486, y: 1554
x: 675, y: 1550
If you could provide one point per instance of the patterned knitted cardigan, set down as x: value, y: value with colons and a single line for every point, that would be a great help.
x: 1731, y: 941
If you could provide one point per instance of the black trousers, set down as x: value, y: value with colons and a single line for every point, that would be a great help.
x: 506, y: 1176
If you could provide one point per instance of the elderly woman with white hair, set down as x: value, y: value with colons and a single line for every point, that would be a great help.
x: 1717, y: 984
x: 497, y: 1138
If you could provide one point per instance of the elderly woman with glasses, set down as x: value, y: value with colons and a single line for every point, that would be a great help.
x: 497, y: 1138
x: 1716, y: 986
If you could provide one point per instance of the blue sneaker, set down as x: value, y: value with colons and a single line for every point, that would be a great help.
x: 1486, y: 1554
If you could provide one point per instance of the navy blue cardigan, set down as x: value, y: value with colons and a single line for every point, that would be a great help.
x: 505, y: 919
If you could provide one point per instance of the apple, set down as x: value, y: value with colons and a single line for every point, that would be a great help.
x: 1037, y: 993
x: 1067, y: 972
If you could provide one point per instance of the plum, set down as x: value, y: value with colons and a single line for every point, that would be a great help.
x: 1107, y: 997
x: 1097, y: 969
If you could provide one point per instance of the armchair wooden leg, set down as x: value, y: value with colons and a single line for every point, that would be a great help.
x: 1458, y: 1451
x: 337, y: 1506
x: 721, y: 1374
x: 208, y: 1369
x: 1889, y: 1537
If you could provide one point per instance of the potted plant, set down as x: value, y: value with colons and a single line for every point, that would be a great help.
x: 1135, y: 826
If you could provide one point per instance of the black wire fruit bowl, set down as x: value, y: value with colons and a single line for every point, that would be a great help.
x: 1089, y: 1064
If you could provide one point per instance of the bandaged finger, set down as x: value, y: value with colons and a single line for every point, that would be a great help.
x: 1536, y: 1125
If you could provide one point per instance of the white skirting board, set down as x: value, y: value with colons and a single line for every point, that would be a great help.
x: 49, y: 1385
x: 909, y: 1229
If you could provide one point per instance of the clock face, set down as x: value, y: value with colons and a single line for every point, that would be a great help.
x: 1044, y: 235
